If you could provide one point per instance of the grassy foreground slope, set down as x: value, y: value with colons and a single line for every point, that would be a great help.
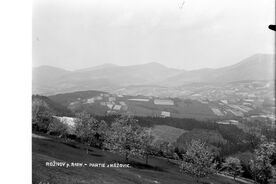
x: 49, y: 149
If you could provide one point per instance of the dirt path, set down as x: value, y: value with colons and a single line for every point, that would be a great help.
x: 39, y: 136
x: 246, y: 181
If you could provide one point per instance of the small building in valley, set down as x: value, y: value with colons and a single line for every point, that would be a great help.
x: 165, y: 114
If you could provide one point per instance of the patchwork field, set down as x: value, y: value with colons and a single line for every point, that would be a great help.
x: 102, y: 103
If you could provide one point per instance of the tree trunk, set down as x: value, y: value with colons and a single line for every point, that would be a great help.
x: 255, y: 178
x: 126, y: 157
x: 147, y: 159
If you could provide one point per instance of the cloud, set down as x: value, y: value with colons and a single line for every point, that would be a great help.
x: 78, y: 34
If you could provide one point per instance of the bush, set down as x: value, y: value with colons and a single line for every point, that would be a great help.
x: 42, y: 121
x: 56, y: 127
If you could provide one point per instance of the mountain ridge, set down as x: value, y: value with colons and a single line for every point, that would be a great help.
x: 108, y: 77
x: 153, y: 63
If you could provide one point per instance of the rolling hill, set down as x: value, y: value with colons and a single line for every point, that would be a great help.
x: 42, y: 102
x: 102, y: 103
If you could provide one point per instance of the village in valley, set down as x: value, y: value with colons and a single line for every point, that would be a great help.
x: 231, y: 103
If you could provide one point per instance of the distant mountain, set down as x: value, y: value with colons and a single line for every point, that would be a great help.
x: 126, y: 75
x: 105, y: 78
x: 44, y: 78
x: 50, y: 80
x: 103, y: 66
x: 48, y: 73
x: 256, y: 67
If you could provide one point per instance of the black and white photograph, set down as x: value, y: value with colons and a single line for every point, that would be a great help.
x: 153, y: 92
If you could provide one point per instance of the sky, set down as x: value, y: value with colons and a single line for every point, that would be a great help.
x: 189, y: 34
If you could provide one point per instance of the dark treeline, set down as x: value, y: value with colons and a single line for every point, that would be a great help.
x: 69, y: 97
x: 183, y: 123
x: 237, y: 140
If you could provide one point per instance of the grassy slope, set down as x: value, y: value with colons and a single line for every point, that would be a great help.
x: 159, y: 171
x: 167, y: 133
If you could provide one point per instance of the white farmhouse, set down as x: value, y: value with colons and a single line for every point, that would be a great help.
x: 117, y: 107
x: 165, y: 114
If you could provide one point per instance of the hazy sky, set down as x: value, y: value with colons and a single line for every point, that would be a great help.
x: 203, y: 33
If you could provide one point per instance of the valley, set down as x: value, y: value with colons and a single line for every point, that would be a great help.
x: 231, y: 110
x: 226, y: 103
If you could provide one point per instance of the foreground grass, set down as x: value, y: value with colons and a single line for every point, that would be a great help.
x: 158, y: 171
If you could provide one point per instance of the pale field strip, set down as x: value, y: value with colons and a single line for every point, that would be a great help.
x: 139, y: 99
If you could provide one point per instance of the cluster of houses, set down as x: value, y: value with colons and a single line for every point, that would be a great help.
x: 239, y: 109
x: 228, y: 122
x: 233, y: 101
x: 114, y: 103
